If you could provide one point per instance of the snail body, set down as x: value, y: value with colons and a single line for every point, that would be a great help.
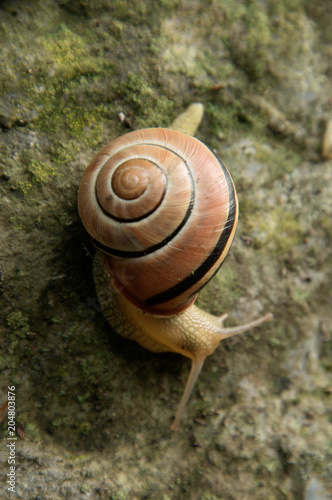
x: 162, y: 209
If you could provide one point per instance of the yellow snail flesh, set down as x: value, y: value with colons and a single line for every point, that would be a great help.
x: 327, y: 141
x: 162, y: 210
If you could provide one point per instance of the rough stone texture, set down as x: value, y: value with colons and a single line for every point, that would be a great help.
x: 93, y: 411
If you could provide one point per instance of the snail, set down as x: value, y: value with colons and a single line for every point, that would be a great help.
x: 162, y: 210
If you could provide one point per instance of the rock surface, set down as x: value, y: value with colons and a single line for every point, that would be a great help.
x: 93, y: 411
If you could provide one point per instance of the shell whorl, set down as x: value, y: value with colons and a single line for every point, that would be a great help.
x: 163, y: 209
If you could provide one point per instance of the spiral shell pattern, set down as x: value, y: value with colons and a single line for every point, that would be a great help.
x: 163, y: 210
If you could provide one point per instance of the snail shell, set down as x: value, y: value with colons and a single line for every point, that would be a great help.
x: 162, y: 208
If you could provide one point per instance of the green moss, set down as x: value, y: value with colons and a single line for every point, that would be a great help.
x: 19, y: 326
x: 57, y: 422
x: 210, y: 496
x: 60, y: 92
x: 40, y: 170
x: 67, y: 152
x: 222, y: 119
x: 55, y: 89
x: 37, y: 172
x: 249, y: 46
x: 124, y: 494
x: 83, y: 397
x: 150, y: 109
x: 65, y: 50
x: 85, y: 428
x: 259, y: 32
x: 24, y: 186
x: 18, y: 323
